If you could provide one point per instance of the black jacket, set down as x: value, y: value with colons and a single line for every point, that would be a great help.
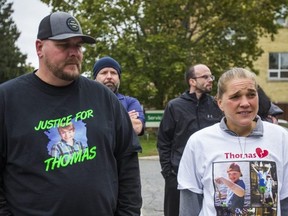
x: 182, y: 117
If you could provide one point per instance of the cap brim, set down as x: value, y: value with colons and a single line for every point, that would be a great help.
x: 86, y: 38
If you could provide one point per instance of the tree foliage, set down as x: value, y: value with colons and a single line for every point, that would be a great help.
x: 12, y: 61
x: 156, y: 40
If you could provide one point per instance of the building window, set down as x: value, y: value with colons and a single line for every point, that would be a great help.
x: 278, y: 66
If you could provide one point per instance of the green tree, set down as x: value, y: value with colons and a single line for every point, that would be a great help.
x: 155, y: 40
x: 12, y: 61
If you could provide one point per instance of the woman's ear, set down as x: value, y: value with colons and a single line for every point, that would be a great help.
x: 219, y: 102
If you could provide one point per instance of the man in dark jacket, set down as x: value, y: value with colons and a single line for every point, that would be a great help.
x: 193, y: 110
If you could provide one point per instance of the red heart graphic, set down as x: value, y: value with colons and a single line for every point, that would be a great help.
x: 261, y: 153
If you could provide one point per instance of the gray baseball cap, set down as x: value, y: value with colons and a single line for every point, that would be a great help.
x: 60, y: 26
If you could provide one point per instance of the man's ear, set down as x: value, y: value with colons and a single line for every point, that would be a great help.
x: 191, y: 82
x: 39, y: 46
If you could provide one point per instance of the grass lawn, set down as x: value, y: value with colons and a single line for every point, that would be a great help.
x: 283, y: 123
x: 148, y: 143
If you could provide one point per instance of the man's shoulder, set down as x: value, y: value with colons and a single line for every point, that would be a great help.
x: 92, y: 86
x: 126, y: 97
x: 184, y: 97
x: 15, y: 82
x: 85, y: 80
x: 176, y: 101
x: 209, y: 97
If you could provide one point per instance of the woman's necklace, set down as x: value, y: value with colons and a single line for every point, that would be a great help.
x: 243, y: 148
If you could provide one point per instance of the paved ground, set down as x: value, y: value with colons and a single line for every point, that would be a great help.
x: 152, y: 186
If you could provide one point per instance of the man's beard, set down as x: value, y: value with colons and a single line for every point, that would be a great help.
x: 204, y: 89
x: 112, y: 87
x: 58, y: 71
x: 208, y: 90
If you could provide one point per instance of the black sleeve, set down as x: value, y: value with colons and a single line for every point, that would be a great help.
x: 284, y: 206
x: 129, y: 198
x: 4, y: 210
x: 136, y: 143
x: 190, y: 203
x: 164, y: 141
x: 129, y: 183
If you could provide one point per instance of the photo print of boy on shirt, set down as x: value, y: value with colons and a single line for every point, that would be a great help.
x: 67, y: 139
x: 240, y: 188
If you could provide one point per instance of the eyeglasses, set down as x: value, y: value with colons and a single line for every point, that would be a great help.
x: 206, y: 77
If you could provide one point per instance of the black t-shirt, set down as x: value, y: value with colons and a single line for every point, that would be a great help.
x: 102, y: 180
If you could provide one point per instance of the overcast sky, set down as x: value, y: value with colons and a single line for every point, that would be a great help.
x: 27, y: 16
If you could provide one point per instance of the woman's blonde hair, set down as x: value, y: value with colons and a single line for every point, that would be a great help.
x: 234, y: 73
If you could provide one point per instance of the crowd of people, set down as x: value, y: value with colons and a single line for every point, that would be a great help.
x: 69, y: 145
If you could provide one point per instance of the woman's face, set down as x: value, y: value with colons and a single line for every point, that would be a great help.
x: 240, y: 104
